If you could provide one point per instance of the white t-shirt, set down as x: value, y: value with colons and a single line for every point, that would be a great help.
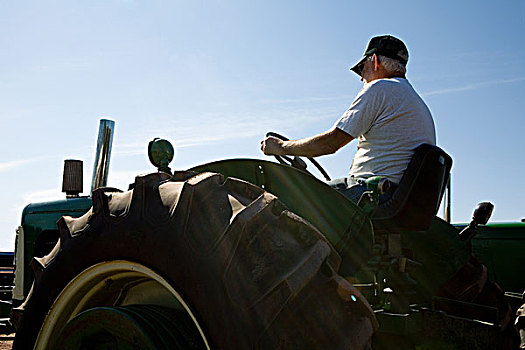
x: 390, y: 120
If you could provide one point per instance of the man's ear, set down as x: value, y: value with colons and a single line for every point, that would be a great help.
x: 376, y: 62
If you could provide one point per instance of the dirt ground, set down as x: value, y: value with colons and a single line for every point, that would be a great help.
x: 6, y: 342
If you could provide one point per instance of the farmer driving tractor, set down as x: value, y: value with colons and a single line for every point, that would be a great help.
x: 387, y: 116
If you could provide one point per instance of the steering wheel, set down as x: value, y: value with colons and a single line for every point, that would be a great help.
x: 297, y: 162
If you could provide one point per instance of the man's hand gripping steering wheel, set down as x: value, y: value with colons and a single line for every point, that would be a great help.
x: 272, y: 148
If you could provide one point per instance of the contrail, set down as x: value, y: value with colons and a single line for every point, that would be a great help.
x: 473, y: 86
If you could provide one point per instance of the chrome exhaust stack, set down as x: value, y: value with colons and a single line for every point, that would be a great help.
x: 103, y: 154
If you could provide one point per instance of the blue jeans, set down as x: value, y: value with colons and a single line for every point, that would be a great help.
x: 354, y: 188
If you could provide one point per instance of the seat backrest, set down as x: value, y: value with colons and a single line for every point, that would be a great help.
x: 416, y: 200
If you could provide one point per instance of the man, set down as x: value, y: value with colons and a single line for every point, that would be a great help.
x: 387, y: 116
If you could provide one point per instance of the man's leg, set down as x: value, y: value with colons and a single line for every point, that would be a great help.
x: 352, y: 189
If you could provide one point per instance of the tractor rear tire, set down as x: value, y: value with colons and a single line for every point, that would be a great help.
x: 213, y: 262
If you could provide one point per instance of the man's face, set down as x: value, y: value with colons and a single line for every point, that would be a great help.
x: 367, y: 71
x: 372, y: 70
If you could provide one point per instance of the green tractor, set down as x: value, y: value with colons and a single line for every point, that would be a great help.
x: 252, y: 254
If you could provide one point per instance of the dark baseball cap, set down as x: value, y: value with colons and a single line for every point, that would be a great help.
x: 385, y: 45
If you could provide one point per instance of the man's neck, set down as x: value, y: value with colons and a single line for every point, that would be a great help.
x: 390, y: 76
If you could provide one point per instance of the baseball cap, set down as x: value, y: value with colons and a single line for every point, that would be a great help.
x: 385, y: 45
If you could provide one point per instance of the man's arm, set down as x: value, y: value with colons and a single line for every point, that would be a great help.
x: 325, y: 143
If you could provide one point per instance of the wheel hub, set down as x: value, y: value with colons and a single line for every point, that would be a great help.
x: 130, y: 328
x: 117, y: 305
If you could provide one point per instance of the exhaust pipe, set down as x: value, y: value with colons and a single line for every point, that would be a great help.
x: 448, y: 200
x: 103, y: 154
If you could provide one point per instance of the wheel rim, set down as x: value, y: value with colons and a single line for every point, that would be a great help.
x: 115, y: 287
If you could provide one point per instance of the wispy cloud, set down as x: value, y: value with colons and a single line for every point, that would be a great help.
x: 473, y: 86
x: 217, y: 127
x: 42, y: 196
x: 234, y: 127
x: 121, y: 179
x: 305, y: 100
x: 10, y: 165
x: 130, y: 148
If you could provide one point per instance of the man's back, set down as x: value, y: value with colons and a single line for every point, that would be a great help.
x: 390, y: 120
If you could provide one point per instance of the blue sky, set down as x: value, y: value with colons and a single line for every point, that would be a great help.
x: 214, y: 76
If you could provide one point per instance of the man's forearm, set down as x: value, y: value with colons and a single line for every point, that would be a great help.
x: 308, y: 147
x: 326, y: 143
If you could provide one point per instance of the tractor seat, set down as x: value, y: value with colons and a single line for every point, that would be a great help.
x: 416, y: 200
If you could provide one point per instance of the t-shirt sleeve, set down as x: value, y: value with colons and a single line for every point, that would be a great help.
x: 362, y: 113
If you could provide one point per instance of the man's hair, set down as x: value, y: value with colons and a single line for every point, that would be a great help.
x: 392, y: 66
